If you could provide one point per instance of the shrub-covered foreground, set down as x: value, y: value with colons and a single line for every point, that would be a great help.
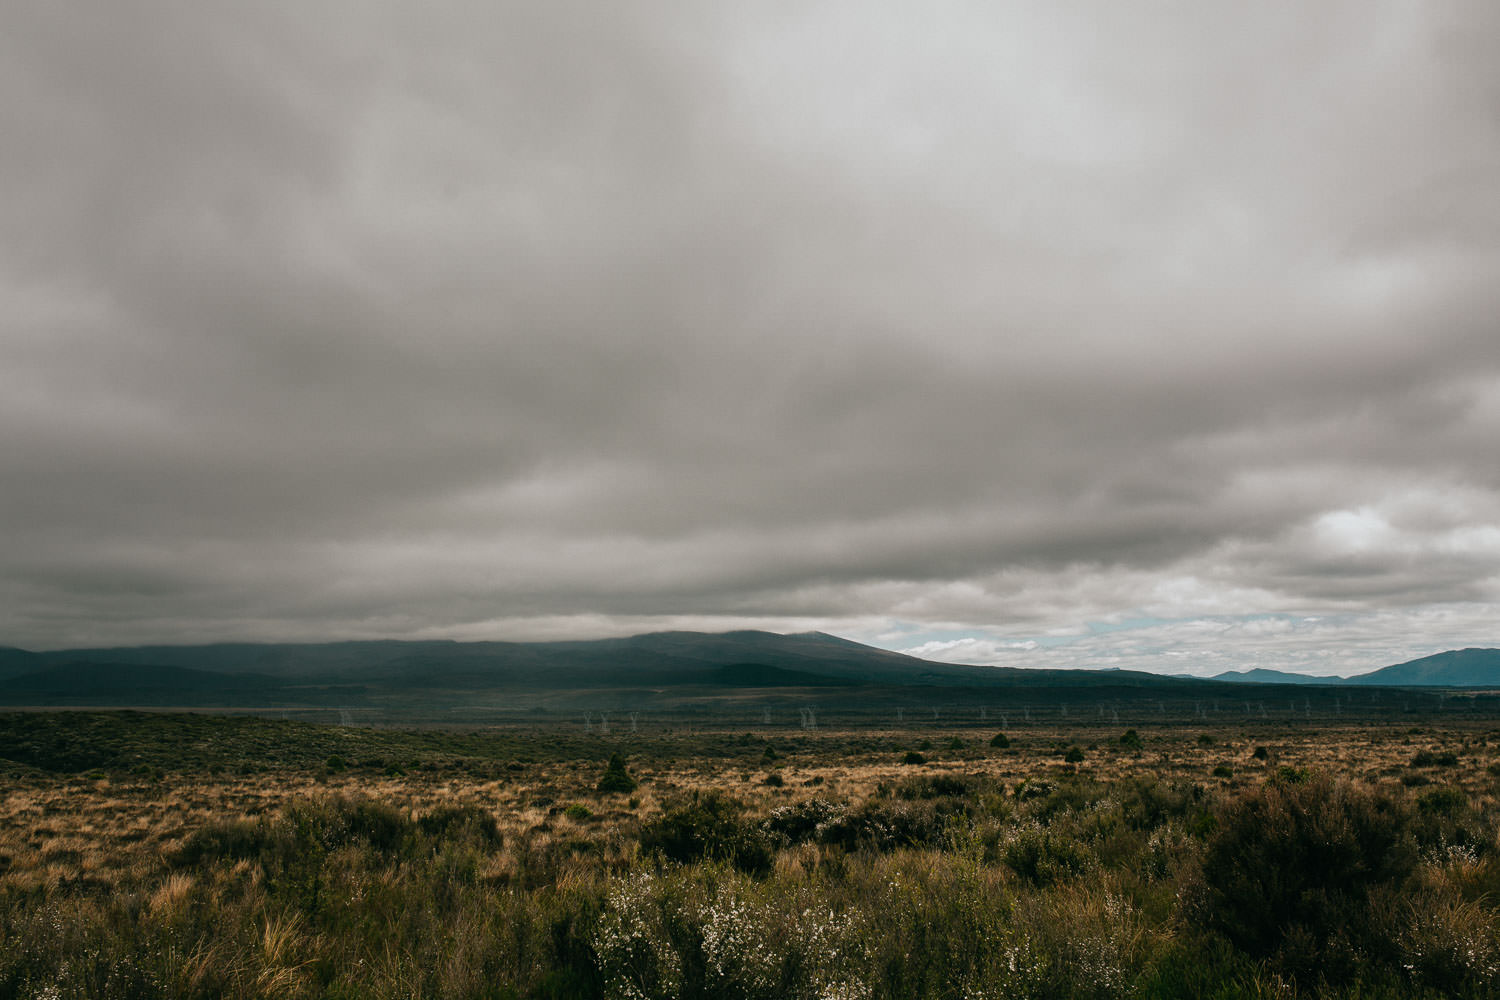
x: 938, y: 885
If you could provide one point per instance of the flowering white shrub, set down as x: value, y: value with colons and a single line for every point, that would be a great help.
x: 739, y: 950
x: 728, y: 938
x: 635, y: 952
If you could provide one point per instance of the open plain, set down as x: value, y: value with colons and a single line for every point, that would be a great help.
x: 159, y: 854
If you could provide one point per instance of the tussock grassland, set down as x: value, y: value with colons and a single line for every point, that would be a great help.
x: 191, y: 856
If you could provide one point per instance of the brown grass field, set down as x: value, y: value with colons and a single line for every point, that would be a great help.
x: 202, y: 865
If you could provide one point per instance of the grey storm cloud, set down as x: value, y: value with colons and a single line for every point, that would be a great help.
x: 511, y: 320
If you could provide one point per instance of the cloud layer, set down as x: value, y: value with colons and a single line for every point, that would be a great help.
x: 984, y: 324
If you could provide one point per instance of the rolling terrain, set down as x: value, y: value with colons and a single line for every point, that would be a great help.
x: 687, y: 674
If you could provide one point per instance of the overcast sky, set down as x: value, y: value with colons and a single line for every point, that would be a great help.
x: 1159, y: 335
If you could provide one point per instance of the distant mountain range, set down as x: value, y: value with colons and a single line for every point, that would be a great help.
x: 745, y: 658
x: 1457, y: 668
x: 344, y: 672
x: 1260, y: 675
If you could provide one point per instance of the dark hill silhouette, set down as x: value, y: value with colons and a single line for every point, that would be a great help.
x: 1471, y: 668
x: 1260, y: 675
x: 1461, y: 668
x: 655, y: 659
x: 77, y: 683
x: 657, y: 669
x: 14, y: 662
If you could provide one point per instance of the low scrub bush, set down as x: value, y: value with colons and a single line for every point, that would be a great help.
x: 1290, y: 872
x: 467, y: 822
x: 616, y: 779
x: 935, y: 787
x: 1446, y: 818
x: 708, y: 933
x: 1042, y: 856
x: 886, y: 826
x: 803, y: 821
x: 1434, y: 758
x: 711, y: 827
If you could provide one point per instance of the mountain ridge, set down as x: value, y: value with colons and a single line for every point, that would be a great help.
x: 1263, y: 675
x: 669, y: 658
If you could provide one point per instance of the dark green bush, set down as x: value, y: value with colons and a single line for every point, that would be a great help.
x: 1042, y: 857
x: 1286, y: 774
x: 1033, y: 788
x: 1444, y: 801
x: 708, y: 826
x: 467, y: 822
x: 801, y: 821
x: 1000, y: 740
x: 1446, y: 817
x: 887, y: 826
x: 1433, y: 758
x: 1073, y: 756
x: 934, y: 787
x: 913, y: 757
x: 1290, y: 870
x: 616, y: 778
x: 231, y: 840
x: 1075, y: 796
x: 1131, y: 740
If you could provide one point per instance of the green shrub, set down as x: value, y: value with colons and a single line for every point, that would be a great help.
x: 468, y: 822
x: 1445, y: 818
x: 913, y: 757
x: 1073, y: 756
x: 703, y: 933
x: 1444, y: 801
x: 1432, y: 758
x: 231, y: 840
x: 1223, y: 771
x: 578, y: 812
x: 1000, y: 741
x: 935, y: 786
x: 708, y: 826
x: 802, y: 821
x: 1290, y: 870
x: 341, y: 822
x: 616, y: 778
x: 1131, y: 740
x: 1033, y: 788
x: 887, y: 826
x: 1042, y: 856
x: 1286, y: 774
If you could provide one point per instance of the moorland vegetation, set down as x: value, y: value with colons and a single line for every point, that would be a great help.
x: 192, y: 856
